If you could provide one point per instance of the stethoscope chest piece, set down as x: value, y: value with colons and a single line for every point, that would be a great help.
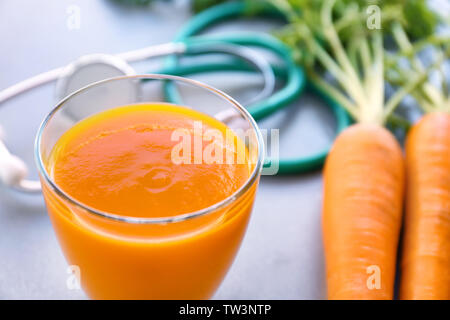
x: 89, y: 69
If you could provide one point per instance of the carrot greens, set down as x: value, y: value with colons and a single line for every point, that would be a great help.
x: 342, y: 47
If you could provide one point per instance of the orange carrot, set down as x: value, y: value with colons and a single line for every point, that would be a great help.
x: 425, y: 265
x: 426, y: 249
x: 362, y: 213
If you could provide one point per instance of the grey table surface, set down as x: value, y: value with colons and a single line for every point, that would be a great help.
x: 281, y: 256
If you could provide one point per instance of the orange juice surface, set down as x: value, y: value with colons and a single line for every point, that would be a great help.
x: 149, y: 161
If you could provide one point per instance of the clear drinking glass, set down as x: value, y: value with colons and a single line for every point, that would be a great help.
x: 120, y: 257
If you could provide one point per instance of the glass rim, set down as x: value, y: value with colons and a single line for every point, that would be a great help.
x: 157, y: 220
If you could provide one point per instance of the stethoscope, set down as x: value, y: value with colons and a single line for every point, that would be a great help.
x: 95, y: 67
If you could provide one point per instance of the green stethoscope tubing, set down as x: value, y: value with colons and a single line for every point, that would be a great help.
x: 294, y: 75
x: 286, y: 165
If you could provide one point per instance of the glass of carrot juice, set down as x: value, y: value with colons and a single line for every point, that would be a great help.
x: 148, y: 199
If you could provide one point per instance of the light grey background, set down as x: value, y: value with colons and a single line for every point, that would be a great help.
x: 281, y: 256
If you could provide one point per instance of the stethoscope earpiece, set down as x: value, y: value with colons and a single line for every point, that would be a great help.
x: 12, y: 169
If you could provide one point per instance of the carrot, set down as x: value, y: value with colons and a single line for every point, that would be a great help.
x: 425, y: 265
x: 362, y: 206
x: 426, y: 251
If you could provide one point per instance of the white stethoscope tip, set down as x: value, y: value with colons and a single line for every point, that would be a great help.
x: 12, y: 170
